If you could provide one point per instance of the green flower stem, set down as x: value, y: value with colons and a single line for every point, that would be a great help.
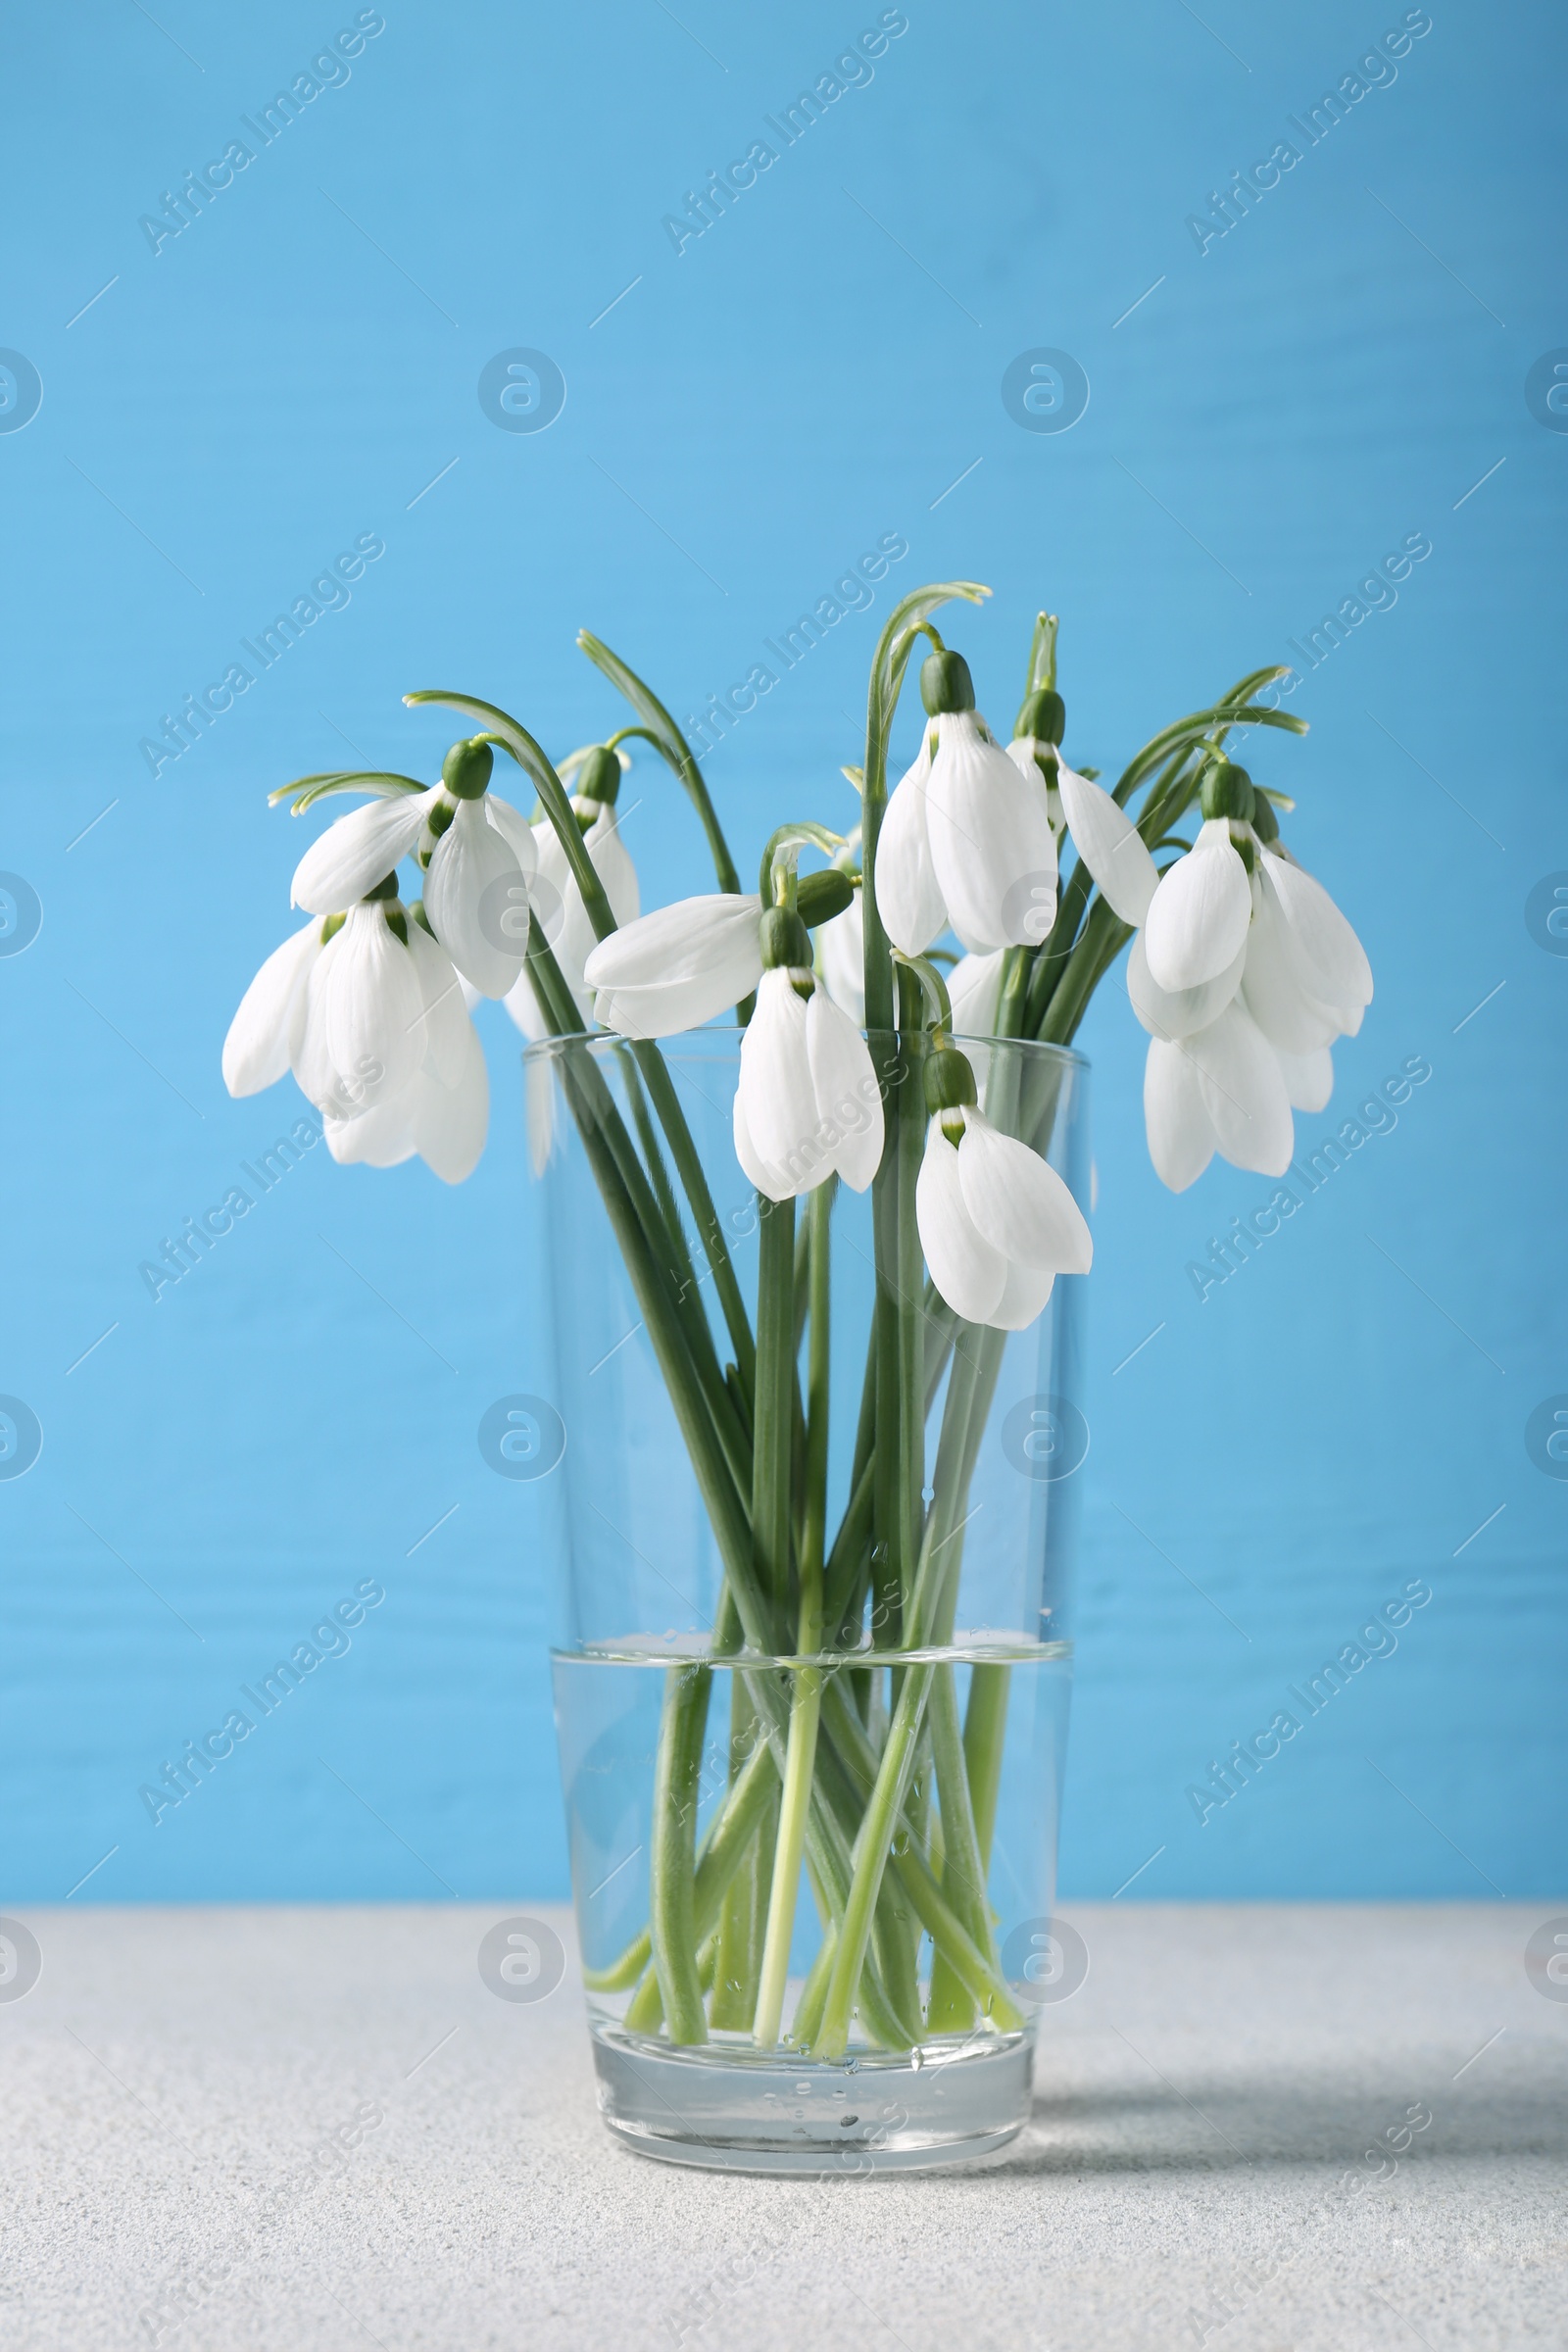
x: 813, y: 1993
x: 851, y: 1754
x: 671, y: 1915
x: 985, y: 1724
x: 727, y: 1423
x: 710, y: 1232
x: 731, y: 1835
x: 1104, y: 935
x: 870, y: 1856
x: 806, y: 1696
x: 773, y: 1424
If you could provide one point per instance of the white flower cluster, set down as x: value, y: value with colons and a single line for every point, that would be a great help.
x: 1242, y: 969
x: 368, y: 1005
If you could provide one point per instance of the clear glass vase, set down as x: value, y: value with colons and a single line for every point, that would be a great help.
x: 863, y: 1999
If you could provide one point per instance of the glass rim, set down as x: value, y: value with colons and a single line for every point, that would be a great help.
x: 716, y: 1040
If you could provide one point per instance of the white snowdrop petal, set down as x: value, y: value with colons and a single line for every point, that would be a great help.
x: 841, y: 946
x: 1244, y: 1092
x: 382, y: 1138
x: 678, y: 967
x: 782, y: 1116
x: 1272, y: 989
x: 514, y: 830
x: 359, y: 851
x: 362, y: 1041
x: 967, y: 1272
x: 1018, y: 1203
x: 263, y: 1035
x: 1024, y: 1293
x: 1109, y: 845
x: 1167, y: 1015
x: 1198, y: 918
x: 1181, y: 1134
x: 478, y: 901
x: 452, y: 1112
x: 992, y: 847
x: 611, y: 862
x: 765, y: 1179
x: 1334, y: 963
x: 445, y: 1027
x: 908, y: 897
x: 848, y: 1102
x: 538, y: 1076
x: 974, y: 990
x: 1308, y: 1078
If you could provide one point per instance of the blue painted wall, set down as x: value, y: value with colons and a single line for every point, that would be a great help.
x: 1268, y: 418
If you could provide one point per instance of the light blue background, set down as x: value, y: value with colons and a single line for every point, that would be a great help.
x: 816, y: 371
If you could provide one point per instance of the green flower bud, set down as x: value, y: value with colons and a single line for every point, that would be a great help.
x: 820, y: 897
x: 1266, y: 824
x: 466, y: 771
x: 785, y: 941
x: 948, y: 1080
x: 1043, y: 717
x: 946, y: 684
x: 598, y: 777
x: 1228, y: 791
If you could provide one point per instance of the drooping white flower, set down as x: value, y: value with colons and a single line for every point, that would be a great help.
x: 996, y: 1221
x: 965, y: 839
x: 264, y: 1037
x: 476, y: 897
x: 362, y: 1038
x: 1243, y: 971
x: 677, y: 967
x: 808, y: 1105
x: 443, y: 1112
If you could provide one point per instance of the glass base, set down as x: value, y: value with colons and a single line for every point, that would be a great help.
x: 729, y: 2109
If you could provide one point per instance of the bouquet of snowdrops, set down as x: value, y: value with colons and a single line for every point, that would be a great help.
x: 859, y: 1067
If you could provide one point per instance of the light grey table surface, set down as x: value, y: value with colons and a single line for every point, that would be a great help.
x: 1196, y: 2169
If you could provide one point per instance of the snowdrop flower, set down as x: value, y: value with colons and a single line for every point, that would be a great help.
x: 443, y: 1113
x: 679, y: 966
x: 997, y: 1223
x: 965, y: 839
x: 808, y: 1105
x: 480, y: 854
x: 1233, y: 1053
x: 368, y: 1013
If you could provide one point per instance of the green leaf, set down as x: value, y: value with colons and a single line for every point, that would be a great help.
x: 377, y: 781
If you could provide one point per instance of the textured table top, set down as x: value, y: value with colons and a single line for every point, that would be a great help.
x: 179, y: 2085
